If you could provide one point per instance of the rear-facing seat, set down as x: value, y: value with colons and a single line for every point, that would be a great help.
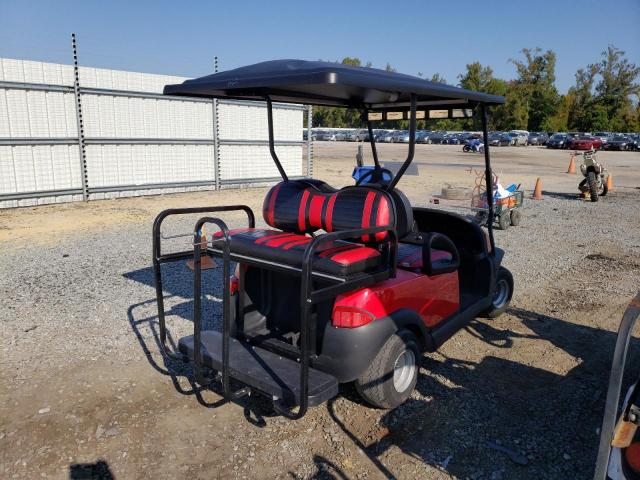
x: 301, y: 207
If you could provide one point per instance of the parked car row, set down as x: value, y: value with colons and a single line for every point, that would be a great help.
x: 572, y: 140
x: 595, y: 141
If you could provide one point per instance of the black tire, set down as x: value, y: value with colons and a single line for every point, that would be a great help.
x: 593, y: 186
x: 504, y: 220
x: 516, y: 216
x: 605, y: 187
x: 377, y: 385
x: 466, y: 148
x: 481, y: 218
x: 502, y: 295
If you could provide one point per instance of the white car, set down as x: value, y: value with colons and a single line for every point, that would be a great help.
x: 521, y: 137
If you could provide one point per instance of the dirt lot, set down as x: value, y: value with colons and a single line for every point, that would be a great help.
x: 84, y: 392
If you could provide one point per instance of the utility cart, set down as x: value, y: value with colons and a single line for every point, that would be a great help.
x: 342, y: 285
x: 506, y: 210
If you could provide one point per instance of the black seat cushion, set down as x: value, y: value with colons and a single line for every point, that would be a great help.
x: 304, y: 206
x: 337, y: 258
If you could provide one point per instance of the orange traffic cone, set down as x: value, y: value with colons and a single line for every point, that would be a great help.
x: 206, y: 262
x: 572, y: 166
x: 609, y: 183
x: 537, y: 191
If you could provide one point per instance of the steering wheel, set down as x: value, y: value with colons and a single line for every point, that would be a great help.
x: 376, y: 176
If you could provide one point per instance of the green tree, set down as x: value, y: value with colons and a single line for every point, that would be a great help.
x: 477, y: 78
x: 617, y: 83
x: 581, y: 96
x: 481, y: 79
x: 355, y: 61
x: 560, y: 120
x: 437, y: 78
x: 535, y: 87
x: 516, y: 107
x: 602, y: 98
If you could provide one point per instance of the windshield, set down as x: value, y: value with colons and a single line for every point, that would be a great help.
x: 558, y: 136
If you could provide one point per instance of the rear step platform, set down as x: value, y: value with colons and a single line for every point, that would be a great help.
x: 263, y: 370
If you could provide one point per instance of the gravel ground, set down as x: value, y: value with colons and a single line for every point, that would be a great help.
x: 84, y: 389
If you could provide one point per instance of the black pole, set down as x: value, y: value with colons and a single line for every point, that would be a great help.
x: 272, y: 147
x: 197, y: 309
x: 412, y: 144
x: 487, y: 174
x: 372, y: 139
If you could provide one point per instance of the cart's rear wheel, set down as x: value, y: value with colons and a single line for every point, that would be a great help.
x: 501, y: 295
x: 516, y: 216
x: 393, y: 374
x: 504, y: 220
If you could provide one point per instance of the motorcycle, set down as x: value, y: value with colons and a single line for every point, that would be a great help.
x: 474, y: 145
x: 595, y: 176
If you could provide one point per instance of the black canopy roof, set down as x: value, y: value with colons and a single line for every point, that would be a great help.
x: 332, y: 84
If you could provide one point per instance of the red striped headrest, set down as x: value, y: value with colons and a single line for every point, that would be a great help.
x: 301, y: 206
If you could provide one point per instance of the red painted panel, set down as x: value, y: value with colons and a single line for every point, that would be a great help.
x: 434, y: 298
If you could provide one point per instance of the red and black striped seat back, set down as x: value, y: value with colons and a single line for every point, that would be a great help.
x: 305, y: 206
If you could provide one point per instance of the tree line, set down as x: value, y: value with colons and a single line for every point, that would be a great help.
x: 604, y: 97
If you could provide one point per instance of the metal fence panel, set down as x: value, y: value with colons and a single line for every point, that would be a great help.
x: 136, y: 140
x: 249, y: 161
x: 114, y: 165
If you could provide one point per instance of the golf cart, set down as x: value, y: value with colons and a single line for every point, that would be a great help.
x: 343, y: 285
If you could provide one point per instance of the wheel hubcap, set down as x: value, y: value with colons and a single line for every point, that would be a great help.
x: 404, y: 370
x: 502, y: 294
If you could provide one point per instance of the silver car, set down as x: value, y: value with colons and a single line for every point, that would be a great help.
x: 520, y: 137
x: 388, y: 137
x: 326, y: 136
x: 361, y: 135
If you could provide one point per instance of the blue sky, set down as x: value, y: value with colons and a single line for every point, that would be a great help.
x: 182, y: 37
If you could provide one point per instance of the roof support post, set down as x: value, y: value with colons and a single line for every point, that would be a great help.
x: 487, y: 174
x: 372, y: 139
x: 272, y: 147
x: 412, y: 144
